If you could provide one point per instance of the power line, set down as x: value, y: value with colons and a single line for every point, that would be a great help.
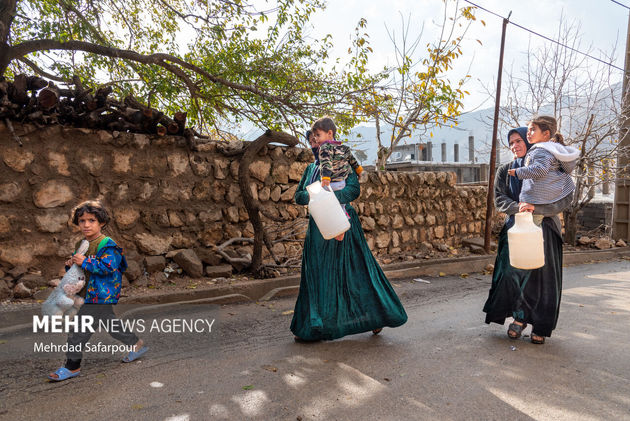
x: 549, y: 39
x: 620, y: 4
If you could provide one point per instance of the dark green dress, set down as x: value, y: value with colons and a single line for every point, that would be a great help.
x: 343, y: 289
x: 530, y: 296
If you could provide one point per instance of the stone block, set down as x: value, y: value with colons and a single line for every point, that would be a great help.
x: 17, y: 159
x: 52, y: 193
x: 154, y: 263
x: 52, y: 221
x: 152, y: 244
x: 134, y: 271
x: 189, y: 262
x: 221, y: 271
x: 21, y: 291
x: 9, y: 192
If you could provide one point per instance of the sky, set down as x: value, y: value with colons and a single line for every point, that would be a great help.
x: 603, y: 24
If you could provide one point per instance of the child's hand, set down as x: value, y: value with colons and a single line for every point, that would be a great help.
x: 69, y: 262
x: 512, y: 172
x: 525, y: 207
x: 78, y: 259
x: 325, y: 182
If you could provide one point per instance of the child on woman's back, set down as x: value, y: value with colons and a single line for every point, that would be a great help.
x: 546, y: 174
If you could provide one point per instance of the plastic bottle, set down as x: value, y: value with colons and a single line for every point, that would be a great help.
x: 525, y: 242
x: 326, y: 211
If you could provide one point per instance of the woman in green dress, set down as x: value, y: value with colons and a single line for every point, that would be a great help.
x: 342, y: 289
x: 529, y: 296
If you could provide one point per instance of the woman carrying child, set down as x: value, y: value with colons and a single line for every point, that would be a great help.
x: 343, y: 290
x: 538, y: 181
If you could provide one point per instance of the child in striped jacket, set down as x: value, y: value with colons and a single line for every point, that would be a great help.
x: 546, y: 174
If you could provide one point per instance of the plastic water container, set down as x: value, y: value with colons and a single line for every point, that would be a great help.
x: 326, y: 211
x: 526, y: 244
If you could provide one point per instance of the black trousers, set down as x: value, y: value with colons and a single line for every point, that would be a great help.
x: 98, y: 312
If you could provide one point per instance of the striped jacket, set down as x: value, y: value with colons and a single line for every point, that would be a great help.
x: 547, y: 173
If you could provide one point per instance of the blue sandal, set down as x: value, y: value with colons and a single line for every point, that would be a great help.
x: 63, y: 374
x: 134, y: 355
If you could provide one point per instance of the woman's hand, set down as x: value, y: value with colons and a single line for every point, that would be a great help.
x: 525, y: 207
x: 78, y: 259
x: 512, y: 172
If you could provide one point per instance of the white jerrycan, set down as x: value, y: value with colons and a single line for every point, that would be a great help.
x: 525, y: 241
x: 326, y: 211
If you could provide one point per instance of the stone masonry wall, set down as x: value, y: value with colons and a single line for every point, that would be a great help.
x: 164, y: 197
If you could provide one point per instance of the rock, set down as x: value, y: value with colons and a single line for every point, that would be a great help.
x: 288, y: 195
x: 126, y: 217
x: 178, y: 163
x: 280, y: 173
x: 93, y: 163
x: 21, y: 291
x: 154, y: 263
x: 134, y: 271
x: 489, y: 267
x: 121, y: 162
x: 476, y: 249
x: 52, y: 221
x: 16, y: 255
x: 17, y: 271
x: 368, y: 223
x: 54, y: 282
x: 153, y: 244
x: 621, y: 243
x: 189, y: 262
x: 259, y: 170
x: 208, y: 256
x: 52, y: 193
x: 382, y: 240
x: 584, y: 241
x: 17, y: 159
x: 604, y: 243
x: 5, y: 291
x: 219, y: 271
x: 33, y: 281
x: 9, y: 192
x: 398, y: 222
x: 438, y: 232
x: 238, y: 266
x: 159, y: 278
x: 296, y: 170
x: 275, y: 194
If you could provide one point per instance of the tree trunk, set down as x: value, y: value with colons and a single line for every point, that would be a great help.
x: 7, y: 13
x: 570, y: 226
x: 252, y: 206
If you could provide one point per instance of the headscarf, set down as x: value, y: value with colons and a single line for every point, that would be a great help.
x: 515, y: 183
x: 315, y: 175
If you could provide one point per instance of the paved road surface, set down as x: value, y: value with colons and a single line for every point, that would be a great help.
x: 444, y: 364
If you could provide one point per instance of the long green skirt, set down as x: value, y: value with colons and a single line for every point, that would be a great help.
x: 343, y: 289
x: 531, y: 296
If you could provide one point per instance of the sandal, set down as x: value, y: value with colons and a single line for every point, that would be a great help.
x: 63, y: 374
x: 134, y: 355
x: 538, y: 340
x: 377, y: 331
x: 515, y: 329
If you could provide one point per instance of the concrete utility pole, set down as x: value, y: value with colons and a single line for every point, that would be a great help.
x: 621, y: 209
x: 493, y: 152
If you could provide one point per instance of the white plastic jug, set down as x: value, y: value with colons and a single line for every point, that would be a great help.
x: 525, y: 241
x: 326, y: 211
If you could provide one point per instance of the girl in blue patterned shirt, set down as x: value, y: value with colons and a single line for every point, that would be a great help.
x: 103, y: 265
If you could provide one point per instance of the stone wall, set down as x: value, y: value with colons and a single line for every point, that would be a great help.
x: 164, y: 197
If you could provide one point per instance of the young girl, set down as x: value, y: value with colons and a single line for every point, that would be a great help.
x: 336, y: 160
x: 103, y: 265
x: 548, y: 164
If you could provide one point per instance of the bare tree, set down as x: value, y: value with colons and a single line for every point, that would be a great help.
x: 585, y: 97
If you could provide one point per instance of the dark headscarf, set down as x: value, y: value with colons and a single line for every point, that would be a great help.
x: 515, y: 183
x: 315, y: 175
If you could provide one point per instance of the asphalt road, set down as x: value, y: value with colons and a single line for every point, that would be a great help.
x: 444, y: 364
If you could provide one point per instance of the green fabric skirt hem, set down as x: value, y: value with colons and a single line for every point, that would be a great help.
x: 343, y: 290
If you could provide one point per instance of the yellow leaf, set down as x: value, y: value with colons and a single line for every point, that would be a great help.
x: 442, y: 274
x: 286, y: 313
